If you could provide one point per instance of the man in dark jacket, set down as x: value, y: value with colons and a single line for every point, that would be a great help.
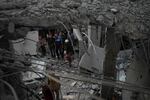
x: 51, y: 44
x: 42, y: 45
x: 68, y: 51
x: 58, y: 44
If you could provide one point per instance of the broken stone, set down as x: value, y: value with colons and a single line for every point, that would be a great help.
x: 92, y: 62
x: 80, y: 83
x: 94, y: 86
x: 91, y: 91
x: 73, y: 84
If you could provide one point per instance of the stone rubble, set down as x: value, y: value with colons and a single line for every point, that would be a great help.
x: 133, y: 14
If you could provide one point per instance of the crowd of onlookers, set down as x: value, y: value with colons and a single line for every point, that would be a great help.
x: 59, y: 46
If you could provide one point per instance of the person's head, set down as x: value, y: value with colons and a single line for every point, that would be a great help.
x: 56, y: 34
x: 50, y: 35
x: 61, y: 33
x: 66, y: 41
x: 40, y: 37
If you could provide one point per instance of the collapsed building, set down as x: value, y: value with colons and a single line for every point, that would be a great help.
x: 113, y: 44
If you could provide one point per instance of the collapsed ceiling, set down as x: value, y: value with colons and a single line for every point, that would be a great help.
x: 132, y: 19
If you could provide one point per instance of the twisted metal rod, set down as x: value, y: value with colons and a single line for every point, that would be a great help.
x: 11, y: 88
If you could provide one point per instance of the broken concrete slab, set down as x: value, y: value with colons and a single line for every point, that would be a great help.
x: 93, y: 61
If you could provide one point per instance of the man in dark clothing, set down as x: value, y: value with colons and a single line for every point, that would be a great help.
x: 68, y: 51
x: 51, y: 44
x: 63, y: 36
x: 43, y: 48
x: 58, y: 44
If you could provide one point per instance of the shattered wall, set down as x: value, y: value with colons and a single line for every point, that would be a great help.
x: 138, y: 72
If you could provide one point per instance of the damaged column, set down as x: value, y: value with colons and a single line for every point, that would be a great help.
x: 112, y: 48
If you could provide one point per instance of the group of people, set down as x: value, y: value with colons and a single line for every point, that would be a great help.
x: 59, y: 46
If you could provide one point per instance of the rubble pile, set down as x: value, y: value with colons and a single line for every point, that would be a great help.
x: 132, y: 17
x: 107, y: 19
x: 11, y: 67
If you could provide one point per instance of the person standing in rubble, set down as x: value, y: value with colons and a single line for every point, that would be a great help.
x: 64, y: 37
x: 51, y: 44
x: 68, y: 51
x: 42, y: 45
x: 58, y: 44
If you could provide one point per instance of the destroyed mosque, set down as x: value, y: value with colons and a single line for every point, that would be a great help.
x: 74, y: 50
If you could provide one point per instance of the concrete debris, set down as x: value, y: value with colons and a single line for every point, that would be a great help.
x: 80, y: 83
x: 11, y: 64
x: 31, y: 41
x: 91, y: 91
x: 69, y: 97
x: 124, y: 59
x: 27, y: 45
x: 84, y: 86
x: 126, y: 18
x: 94, y: 86
x: 18, y: 46
x: 73, y: 84
x: 37, y: 65
x: 95, y: 9
x: 92, y: 61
